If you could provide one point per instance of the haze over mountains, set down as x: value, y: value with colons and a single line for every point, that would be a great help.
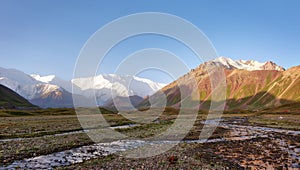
x: 250, y: 85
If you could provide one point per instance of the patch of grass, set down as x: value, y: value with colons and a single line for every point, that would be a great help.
x: 33, y: 126
x: 238, y: 111
x: 287, y: 121
x: 51, y: 112
x: 36, y: 134
x: 18, y: 113
x: 35, y: 123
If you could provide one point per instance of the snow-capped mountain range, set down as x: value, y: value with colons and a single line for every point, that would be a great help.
x: 24, y: 84
x: 249, y: 65
x: 52, y: 91
x: 109, y: 86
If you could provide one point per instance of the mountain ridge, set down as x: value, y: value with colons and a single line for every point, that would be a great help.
x: 52, y: 91
x: 242, y: 75
x: 255, y: 85
x: 250, y: 65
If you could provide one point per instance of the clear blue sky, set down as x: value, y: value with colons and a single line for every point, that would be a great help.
x: 45, y: 37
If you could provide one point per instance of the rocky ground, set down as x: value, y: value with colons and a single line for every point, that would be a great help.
x: 239, y: 142
x: 255, y: 149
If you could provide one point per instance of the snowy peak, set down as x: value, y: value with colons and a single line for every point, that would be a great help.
x: 272, y: 66
x: 52, y: 79
x: 109, y: 86
x: 246, y: 64
x: 106, y: 85
x: 44, y: 79
x: 28, y: 86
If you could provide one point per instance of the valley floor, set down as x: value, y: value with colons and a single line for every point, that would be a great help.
x: 54, y: 139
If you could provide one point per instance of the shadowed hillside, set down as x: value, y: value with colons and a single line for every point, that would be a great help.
x: 11, y: 100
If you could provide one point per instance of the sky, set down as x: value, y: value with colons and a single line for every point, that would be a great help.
x: 45, y: 37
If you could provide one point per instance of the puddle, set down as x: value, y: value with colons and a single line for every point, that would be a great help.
x: 125, y: 126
